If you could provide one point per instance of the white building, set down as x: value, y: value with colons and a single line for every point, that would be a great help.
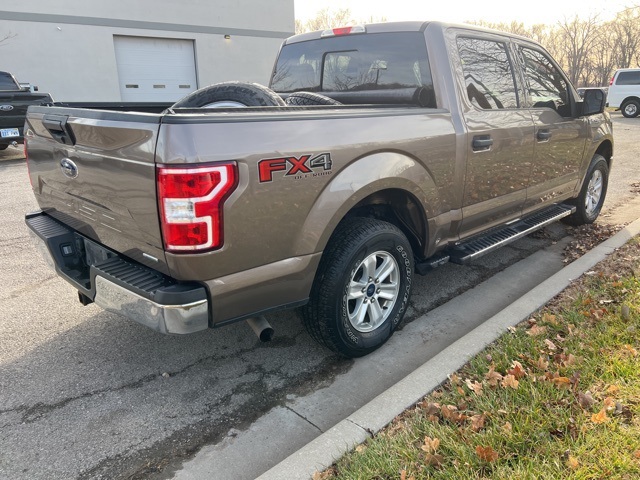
x: 140, y: 50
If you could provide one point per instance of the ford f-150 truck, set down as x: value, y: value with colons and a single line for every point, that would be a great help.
x: 388, y: 149
x: 14, y: 101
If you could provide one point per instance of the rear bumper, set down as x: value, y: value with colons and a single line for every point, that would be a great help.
x: 118, y: 284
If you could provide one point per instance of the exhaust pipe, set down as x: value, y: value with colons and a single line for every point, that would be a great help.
x: 261, y: 328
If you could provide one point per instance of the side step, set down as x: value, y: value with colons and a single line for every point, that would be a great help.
x: 478, y: 246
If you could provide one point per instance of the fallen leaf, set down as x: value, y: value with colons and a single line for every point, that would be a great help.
x: 631, y: 350
x: 600, y: 417
x: 536, y: 330
x: 510, y: 381
x: 451, y: 413
x: 613, y: 389
x: 517, y: 371
x: 550, y: 345
x: 434, y: 460
x: 585, y: 400
x: 460, y: 391
x: 636, y: 454
x: 455, y: 379
x: 486, y: 454
x: 609, y: 404
x: 572, y: 462
x: 561, y: 382
x: 477, y: 422
x: 476, y: 387
x: 360, y: 448
x: 512, y: 329
x: 549, y: 318
x: 507, y: 427
x: 430, y: 444
x: 431, y: 408
x: 542, y: 363
x: 492, y: 377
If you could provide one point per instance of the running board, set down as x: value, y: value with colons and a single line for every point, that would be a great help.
x: 478, y: 246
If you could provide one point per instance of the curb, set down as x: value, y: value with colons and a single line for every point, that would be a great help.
x: 322, y: 452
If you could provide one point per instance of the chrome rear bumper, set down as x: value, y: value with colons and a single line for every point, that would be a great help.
x: 117, y: 284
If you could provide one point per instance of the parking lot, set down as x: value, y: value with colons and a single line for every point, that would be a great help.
x: 85, y: 393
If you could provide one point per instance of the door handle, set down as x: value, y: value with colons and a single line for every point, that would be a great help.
x: 543, y: 135
x: 481, y: 142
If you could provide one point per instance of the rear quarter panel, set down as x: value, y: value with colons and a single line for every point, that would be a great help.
x: 294, y: 215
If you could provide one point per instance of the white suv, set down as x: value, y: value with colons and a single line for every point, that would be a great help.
x: 624, y: 91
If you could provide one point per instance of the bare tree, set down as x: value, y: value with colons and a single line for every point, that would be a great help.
x: 325, y: 19
x: 626, y: 28
x: 578, y: 38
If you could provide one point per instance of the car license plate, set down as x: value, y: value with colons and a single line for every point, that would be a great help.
x: 9, y: 132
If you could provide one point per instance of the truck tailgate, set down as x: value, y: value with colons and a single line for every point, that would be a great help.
x: 94, y: 171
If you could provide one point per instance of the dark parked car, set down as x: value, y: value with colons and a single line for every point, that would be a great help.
x: 15, y: 98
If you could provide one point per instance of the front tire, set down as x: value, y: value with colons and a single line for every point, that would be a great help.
x: 592, y: 194
x: 630, y: 108
x: 362, y: 287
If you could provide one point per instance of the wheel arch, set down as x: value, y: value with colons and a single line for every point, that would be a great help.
x: 390, y: 186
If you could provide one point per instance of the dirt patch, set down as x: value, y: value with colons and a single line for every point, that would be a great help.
x: 586, y: 237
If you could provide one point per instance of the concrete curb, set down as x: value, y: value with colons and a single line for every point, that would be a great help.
x: 371, y: 418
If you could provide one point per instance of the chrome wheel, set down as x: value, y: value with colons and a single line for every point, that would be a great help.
x: 631, y: 109
x: 594, y: 192
x: 373, y: 291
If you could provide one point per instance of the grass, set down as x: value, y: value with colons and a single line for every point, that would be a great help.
x: 557, y: 397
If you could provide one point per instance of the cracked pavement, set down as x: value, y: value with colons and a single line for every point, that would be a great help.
x: 82, y: 391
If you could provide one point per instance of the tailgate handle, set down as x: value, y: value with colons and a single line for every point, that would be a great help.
x: 57, y: 126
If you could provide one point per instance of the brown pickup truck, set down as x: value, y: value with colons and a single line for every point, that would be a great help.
x: 388, y: 149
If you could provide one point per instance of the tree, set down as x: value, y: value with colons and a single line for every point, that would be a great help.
x: 324, y: 20
x: 578, y: 37
x: 626, y: 28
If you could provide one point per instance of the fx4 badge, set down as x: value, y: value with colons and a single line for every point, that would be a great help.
x: 306, y: 165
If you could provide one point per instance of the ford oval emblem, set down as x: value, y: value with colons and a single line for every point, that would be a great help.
x: 69, y: 168
x: 6, y: 108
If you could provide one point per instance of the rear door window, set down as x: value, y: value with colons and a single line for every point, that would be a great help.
x: 488, y: 73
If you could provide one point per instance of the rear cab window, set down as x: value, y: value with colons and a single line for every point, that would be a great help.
x: 375, y: 61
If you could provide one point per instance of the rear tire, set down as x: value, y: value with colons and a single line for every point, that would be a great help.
x: 308, y: 99
x: 630, y: 108
x: 592, y: 194
x: 362, y: 287
x: 231, y: 94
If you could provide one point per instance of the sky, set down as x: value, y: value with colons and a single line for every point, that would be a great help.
x: 458, y: 11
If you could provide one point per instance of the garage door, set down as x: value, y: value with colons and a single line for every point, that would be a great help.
x: 154, y: 69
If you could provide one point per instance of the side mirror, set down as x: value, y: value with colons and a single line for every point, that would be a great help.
x: 593, y: 101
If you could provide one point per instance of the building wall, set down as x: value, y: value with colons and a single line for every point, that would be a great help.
x: 67, y: 49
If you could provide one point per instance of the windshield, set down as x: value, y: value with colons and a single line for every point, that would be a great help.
x: 353, y: 62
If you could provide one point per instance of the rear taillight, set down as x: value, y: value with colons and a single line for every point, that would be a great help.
x: 611, y: 81
x: 191, y: 201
